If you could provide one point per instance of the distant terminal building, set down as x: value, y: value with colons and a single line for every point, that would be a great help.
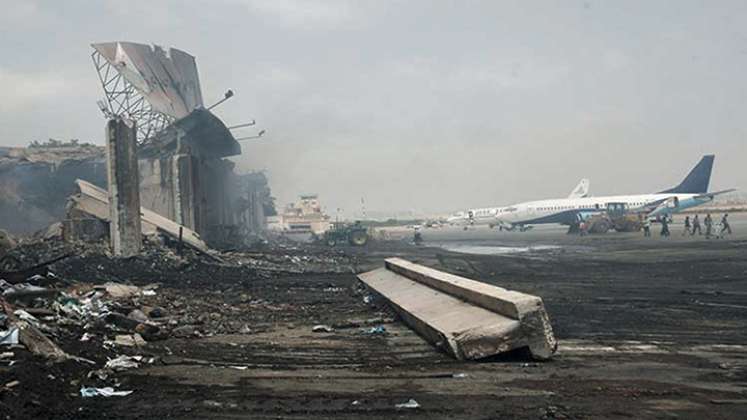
x: 303, y: 216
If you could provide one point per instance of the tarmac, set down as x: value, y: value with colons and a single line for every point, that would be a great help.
x: 647, y: 328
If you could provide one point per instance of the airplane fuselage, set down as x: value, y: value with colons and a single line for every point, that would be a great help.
x: 568, y: 210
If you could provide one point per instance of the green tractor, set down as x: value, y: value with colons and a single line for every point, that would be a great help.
x: 354, y: 234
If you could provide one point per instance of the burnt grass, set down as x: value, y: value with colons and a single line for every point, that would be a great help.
x: 260, y: 321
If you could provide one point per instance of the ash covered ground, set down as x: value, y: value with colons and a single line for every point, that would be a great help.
x: 647, y: 329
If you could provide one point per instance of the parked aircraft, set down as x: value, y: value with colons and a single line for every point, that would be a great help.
x: 486, y: 216
x: 691, y: 192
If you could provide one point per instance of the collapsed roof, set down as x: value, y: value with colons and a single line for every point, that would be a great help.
x: 167, y: 78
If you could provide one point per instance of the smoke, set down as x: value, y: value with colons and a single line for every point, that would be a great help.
x: 429, y: 106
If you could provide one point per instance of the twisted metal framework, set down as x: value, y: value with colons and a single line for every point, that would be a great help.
x: 122, y: 99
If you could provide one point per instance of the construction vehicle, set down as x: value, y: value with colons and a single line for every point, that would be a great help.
x: 340, y: 233
x: 616, y: 216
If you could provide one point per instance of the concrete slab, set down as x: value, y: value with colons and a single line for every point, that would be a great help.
x: 465, y: 318
x: 95, y: 201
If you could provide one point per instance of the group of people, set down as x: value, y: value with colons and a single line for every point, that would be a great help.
x: 692, y: 226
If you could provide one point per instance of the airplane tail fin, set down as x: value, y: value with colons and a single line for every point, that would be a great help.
x: 581, y: 190
x: 697, y: 180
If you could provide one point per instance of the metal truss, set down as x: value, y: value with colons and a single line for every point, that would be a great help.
x: 122, y: 99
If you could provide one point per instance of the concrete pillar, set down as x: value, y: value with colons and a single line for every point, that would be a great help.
x: 124, y: 187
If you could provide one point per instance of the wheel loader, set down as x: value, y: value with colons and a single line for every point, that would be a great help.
x: 616, y: 216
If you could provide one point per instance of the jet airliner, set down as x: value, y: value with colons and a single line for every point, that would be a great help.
x: 691, y: 192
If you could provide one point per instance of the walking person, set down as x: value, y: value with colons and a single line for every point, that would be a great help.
x: 646, y: 228
x: 708, y: 222
x: 664, y: 227
x: 687, y: 226
x: 696, y: 226
x: 725, y: 227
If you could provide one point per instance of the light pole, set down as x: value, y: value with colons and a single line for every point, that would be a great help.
x: 226, y: 96
x: 260, y: 134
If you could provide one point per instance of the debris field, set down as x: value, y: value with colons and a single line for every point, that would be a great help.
x: 288, y: 331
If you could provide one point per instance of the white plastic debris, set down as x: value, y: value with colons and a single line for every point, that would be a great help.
x: 102, y: 392
x: 21, y: 314
x: 409, y: 404
x: 9, y: 337
x: 322, y: 328
x: 378, y: 330
x: 123, y: 362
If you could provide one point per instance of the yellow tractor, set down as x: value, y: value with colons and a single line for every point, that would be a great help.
x: 616, y: 216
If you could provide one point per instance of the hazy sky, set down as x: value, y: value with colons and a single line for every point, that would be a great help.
x: 424, y: 105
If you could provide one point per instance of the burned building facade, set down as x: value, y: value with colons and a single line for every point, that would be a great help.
x: 183, y: 149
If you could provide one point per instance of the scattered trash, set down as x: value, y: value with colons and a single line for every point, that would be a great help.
x: 21, y: 314
x: 102, y: 392
x: 148, y: 293
x: 459, y: 375
x: 378, y: 330
x: 367, y: 299
x: 25, y: 291
x: 123, y: 363
x: 9, y: 337
x: 86, y: 337
x: 356, y: 402
x: 322, y: 328
x: 120, y: 291
x: 12, y: 384
x: 239, y: 367
x: 138, y: 315
x: 132, y: 340
x: 409, y: 404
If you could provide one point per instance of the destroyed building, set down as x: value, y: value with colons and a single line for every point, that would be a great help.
x: 36, y: 181
x: 183, y: 151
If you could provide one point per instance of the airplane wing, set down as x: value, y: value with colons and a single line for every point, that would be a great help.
x: 581, y: 190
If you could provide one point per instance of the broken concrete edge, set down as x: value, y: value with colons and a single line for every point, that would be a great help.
x: 423, y: 328
x: 534, y: 330
x: 95, y: 201
x: 528, y: 309
x: 473, y: 342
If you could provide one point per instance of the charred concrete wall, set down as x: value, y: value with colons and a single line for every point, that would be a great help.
x: 198, y: 190
x: 35, y: 183
x: 157, y: 186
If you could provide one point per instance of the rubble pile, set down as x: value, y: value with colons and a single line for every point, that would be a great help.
x: 87, y: 316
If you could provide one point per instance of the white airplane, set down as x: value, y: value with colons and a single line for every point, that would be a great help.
x: 487, y: 215
x: 691, y: 192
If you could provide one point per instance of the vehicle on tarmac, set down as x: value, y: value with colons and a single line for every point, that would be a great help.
x: 346, y: 233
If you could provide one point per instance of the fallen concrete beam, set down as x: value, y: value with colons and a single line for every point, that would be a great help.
x: 95, y: 201
x: 466, y: 318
